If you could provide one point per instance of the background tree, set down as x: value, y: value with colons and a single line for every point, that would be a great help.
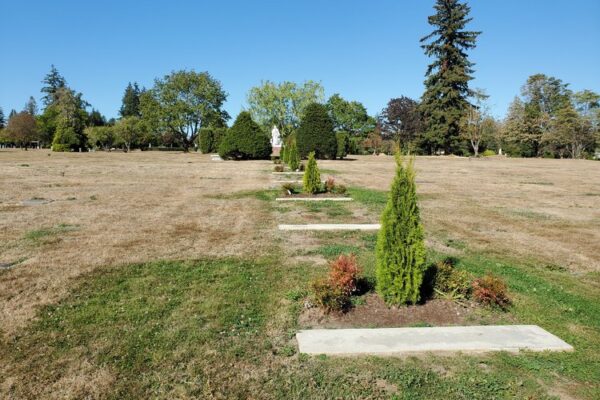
x: 570, y: 134
x: 101, y: 136
x: 183, y: 102
x: 349, y: 116
x: 475, y: 122
x: 31, y: 106
x: 70, y: 117
x: 53, y: 81
x: 587, y: 103
x: 543, y: 97
x: 400, y: 120
x: 283, y: 104
x: 22, y: 129
x: 315, y: 133
x: 95, y: 118
x: 245, y: 140
x: 2, y: 118
x: 131, y: 101
x: 447, y: 84
x: 400, y: 250
x: 128, y: 131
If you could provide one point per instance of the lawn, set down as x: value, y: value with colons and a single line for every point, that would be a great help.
x: 202, y: 298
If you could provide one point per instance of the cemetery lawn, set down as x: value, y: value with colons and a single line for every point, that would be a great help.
x: 174, y: 282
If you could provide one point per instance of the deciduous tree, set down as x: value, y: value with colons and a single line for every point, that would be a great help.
x: 349, y: 116
x: 183, y: 102
x: 22, y: 129
x: 283, y: 104
x: 400, y: 120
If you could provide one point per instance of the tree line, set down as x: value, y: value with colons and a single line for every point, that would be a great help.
x: 184, y: 110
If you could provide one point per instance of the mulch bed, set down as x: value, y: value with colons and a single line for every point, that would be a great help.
x: 375, y: 313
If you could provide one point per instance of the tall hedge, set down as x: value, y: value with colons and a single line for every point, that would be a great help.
x: 316, y: 134
x: 312, y: 177
x: 400, y: 251
x: 210, y: 138
x: 293, y: 158
x: 343, y: 144
x: 245, y: 140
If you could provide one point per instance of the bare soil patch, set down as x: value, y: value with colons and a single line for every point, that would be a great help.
x: 374, y: 313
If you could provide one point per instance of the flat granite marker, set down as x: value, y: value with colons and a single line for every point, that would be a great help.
x: 330, y: 227
x: 391, y: 341
x: 313, y: 199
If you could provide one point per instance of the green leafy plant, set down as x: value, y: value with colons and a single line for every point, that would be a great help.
x: 491, y: 290
x: 278, y: 168
x: 451, y: 283
x: 289, y: 188
x: 329, y: 297
x: 312, y: 177
x: 400, y: 251
x: 488, y: 153
x: 341, y: 189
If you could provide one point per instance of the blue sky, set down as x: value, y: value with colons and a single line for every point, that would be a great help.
x: 364, y: 50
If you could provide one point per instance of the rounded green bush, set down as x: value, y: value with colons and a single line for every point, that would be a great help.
x: 316, y: 134
x: 245, y: 140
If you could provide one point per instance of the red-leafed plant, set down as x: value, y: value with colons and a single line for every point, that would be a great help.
x: 491, y: 290
x: 343, y: 273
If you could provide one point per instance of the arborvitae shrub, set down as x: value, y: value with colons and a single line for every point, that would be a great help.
x: 245, y: 140
x: 206, y: 138
x: 343, y: 144
x: 283, y: 155
x: 293, y: 156
x: 316, y: 134
x: 400, y: 251
x: 312, y: 177
x: 333, y: 293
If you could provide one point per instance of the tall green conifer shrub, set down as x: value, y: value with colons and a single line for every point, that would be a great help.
x: 400, y: 251
x: 293, y: 157
x: 312, y: 177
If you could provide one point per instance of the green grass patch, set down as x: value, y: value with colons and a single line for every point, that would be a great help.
x: 39, y: 236
x: 374, y: 199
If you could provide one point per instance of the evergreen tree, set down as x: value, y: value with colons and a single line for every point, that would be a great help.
x: 283, y: 154
x: 447, y: 78
x: 31, y: 107
x: 311, y: 181
x: 316, y: 134
x: 131, y: 101
x: 293, y: 158
x: 400, y: 251
x: 96, y: 119
x: 245, y: 140
x: 2, y: 119
x: 53, y: 82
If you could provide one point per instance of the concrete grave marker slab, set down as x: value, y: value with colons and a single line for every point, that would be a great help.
x: 313, y: 199
x: 398, y: 341
x: 330, y: 227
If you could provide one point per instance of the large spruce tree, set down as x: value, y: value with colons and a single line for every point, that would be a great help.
x: 131, y: 101
x: 447, y: 78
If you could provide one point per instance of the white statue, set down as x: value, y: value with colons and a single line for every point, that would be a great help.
x: 275, y: 137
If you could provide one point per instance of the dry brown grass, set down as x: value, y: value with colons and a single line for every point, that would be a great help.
x: 126, y: 208
x: 539, y: 209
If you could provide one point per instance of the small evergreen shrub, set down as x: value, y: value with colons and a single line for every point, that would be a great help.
x: 245, y: 140
x: 312, y: 177
x: 343, y: 144
x: 283, y: 154
x: 400, y: 250
x: 491, y: 291
x: 278, y: 168
x: 488, y: 153
x: 293, y: 156
x: 451, y: 282
x: 330, y: 185
x: 315, y: 133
